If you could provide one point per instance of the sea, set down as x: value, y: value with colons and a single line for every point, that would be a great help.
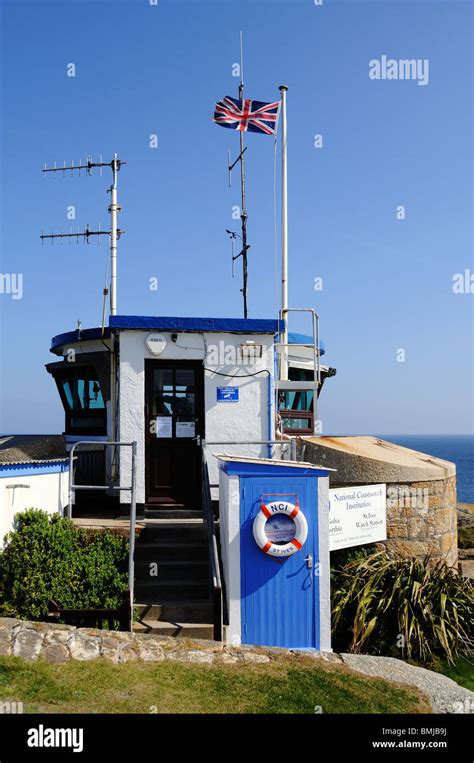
x: 450, y: 447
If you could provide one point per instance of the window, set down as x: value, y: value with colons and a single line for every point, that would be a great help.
x: 82, y: 396
x: 82, y: 390
x: 296, y: 406
x: 174, y: 397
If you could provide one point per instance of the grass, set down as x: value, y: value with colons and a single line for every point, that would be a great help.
x: 462, y: 671
x: 286, y: 685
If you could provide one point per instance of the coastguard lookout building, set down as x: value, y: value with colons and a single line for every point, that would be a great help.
x: 188, y: 392
x: 176, y: 385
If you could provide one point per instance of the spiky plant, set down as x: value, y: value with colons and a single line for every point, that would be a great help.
x: 410, y: 607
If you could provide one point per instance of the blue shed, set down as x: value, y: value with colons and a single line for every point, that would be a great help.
x: 275, y: 551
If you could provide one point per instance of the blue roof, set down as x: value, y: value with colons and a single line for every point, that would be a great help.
x: 304, y: 339
x: 170, y: 323
x: 73, y: 337
x: 167, y: 323
x: 265, y: 468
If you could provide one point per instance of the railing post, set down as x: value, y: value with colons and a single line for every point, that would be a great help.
x: 133, y: 519
x: 71, y: 483
x: 293, y: 449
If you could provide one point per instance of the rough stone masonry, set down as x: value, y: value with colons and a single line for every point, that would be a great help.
x: 421, y: 490
x: 60, y: 643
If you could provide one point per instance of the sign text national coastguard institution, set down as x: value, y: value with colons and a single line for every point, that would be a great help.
x: 357, y: 515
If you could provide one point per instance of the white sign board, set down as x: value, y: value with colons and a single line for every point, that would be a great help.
x: 163, y: 426
x: 185, y: 429
x: 357, y: 515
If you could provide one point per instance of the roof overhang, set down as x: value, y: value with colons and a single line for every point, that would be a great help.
x: 167, y: 323
x: 211, y: 325
x: 79, y: 335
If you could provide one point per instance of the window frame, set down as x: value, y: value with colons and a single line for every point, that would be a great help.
x: 64, y: 371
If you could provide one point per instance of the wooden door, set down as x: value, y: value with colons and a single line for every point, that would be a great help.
x: 174, y: 418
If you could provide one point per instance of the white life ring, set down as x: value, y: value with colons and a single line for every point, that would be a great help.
x: 285, y: 549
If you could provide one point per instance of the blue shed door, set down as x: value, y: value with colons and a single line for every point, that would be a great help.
x: 279, y: 597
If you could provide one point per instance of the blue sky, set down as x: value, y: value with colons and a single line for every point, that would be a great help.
x: 141, y: 69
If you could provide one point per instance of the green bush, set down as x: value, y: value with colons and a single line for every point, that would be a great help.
x: 403, y: 608
x: 46, y: 557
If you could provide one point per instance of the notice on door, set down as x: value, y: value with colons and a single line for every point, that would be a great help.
x: 164, y: 426
x: 357, y: 515
x: 185, y: 429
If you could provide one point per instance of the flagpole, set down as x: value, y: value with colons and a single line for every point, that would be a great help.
x: 243, y: 213
x: 284, y: 237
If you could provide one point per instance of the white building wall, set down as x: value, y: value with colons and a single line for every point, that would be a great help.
x: 249, y: 419
x: 48, y: 492
x: 229, y: 513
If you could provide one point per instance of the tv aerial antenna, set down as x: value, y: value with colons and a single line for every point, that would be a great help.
x: 114, y: 208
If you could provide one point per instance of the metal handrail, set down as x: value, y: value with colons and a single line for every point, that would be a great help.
x: 215, y: 573
x: 314, y: 344
x: 133, y: 503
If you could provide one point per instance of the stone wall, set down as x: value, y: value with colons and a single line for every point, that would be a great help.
x: 422, y: 519
x: 421, y: 490
x: 57, y: 643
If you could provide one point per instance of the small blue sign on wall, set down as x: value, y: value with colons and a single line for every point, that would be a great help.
x: 227, y: 394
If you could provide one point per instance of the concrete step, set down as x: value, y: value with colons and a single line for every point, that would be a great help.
x: 185, y: 611
x: 156, y: 531
x: 176, y: 630
x: 172, y: 513
x: 170, y: 590
x: 178, y: 570
x: 177, y: 550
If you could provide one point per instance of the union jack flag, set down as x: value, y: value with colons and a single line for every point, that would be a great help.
x: 251, y: 116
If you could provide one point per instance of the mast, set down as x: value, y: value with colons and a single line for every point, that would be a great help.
x: 284, y: 237
x: 243, y: 214
x: 113, y: 209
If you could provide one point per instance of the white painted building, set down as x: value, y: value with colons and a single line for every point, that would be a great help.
x: 176, y: 385
x: 33, y: 474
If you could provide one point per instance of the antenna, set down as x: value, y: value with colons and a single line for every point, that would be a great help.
x: 233, y: 235
x: 114, y: 208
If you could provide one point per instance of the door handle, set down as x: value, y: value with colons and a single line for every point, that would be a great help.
x: 309, y: 561
x: 198, y: 440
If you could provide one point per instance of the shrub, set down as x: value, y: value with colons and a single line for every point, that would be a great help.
x: 402, y: 607
x: 341, y: 557
x: 46, y: 557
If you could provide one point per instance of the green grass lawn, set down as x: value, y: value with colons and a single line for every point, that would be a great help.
x: 286, y: 685
x: 462, y: 671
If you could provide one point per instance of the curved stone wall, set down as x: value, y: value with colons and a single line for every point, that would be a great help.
x: 422, y: 519
x: 421, y: 490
